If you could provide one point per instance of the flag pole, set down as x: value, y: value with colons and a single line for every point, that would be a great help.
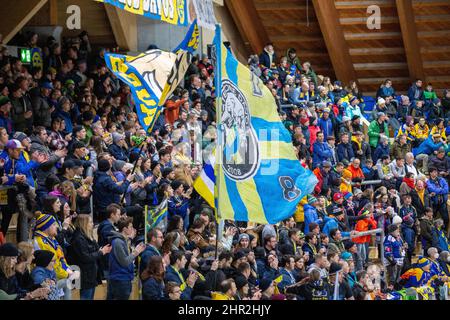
x: 218, y: 149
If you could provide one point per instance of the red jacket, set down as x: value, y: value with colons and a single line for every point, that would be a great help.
x: 313, y: 134
x: 318, y: 187
x: 363, y: 225
x: 173, y: 110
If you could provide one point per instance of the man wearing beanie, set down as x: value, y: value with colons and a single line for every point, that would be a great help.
x: 106, y: 190
x: 118, y: 148
x: 394, y: 254
x: 311, y: 213
x: 419, y: 275
x: 44, y: 274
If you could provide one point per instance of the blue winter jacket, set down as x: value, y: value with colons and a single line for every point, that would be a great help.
x: 153, y: 290
x: 175, y: 207
x: 427, y: 147
x: 40, y: 274
x: 287, y: 279
x: 380, y: 150
x: 104, y: 232
x: 67, y: 119
x: 12, y: 167
x: 118, y: 153
x: 332, y: 224
x: 310, y: 216
x: 321, y: 152
x: 344, y: 152
x: 149, y: 252
x: 171, y: 275
x: 326, y: 126
x: 440, y: 188
x: 106, y: 191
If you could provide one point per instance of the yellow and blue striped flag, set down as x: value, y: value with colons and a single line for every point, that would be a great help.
x: 152, y: 76
x: 204, y: 184
x: 259, y: 177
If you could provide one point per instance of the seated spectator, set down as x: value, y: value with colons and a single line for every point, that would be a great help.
x: 9, y: 287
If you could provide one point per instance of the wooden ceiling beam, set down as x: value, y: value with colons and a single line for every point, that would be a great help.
x: 248, y: 23
x: 333, y: 36
x: 16, y: 15
x: 124, y: 27
x: 410, y: 39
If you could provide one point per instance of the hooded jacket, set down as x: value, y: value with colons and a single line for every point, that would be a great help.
x: 296, y: 61
x: 121, y: 261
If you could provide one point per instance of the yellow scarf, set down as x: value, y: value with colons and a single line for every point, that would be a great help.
x: 421, y: 194
x: 356, y: 140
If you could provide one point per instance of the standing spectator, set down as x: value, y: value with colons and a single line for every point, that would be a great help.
x: 415, y: 92
x: 5, y: 119
x: 267, y: 58
x: 172, y: 274
x: 394, y: 254
x: 321, y: 151
x: 106, y: 191
x: 378, y: 129
x: 426, y: 229
x: 86, y: 255
x: 366, y: 224
x: 41, y: 109
x: 121, y: 261
x: 438, y: 188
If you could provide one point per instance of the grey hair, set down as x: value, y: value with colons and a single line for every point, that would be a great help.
x: 444, y: 255
x: 431, y: 249
x: 439, y: 222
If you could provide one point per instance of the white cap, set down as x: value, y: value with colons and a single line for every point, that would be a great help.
x: 381, y: 101
x: 397, y: 220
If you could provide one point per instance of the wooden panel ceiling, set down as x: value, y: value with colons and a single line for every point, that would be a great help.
x: 293, y: 23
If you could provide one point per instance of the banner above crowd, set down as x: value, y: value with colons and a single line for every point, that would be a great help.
x: 171, y: 11
x: 153, y: 76
x: 204, y: 13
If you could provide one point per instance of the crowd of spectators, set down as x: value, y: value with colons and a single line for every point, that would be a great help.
x: 70, y: 138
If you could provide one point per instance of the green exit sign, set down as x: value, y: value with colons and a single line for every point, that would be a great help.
x: 25, y: 55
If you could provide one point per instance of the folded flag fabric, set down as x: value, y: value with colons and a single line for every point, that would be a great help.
x: 153, y: 75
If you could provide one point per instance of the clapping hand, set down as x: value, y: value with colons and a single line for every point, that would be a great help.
x: 192, y: 279
x: 106, y: 249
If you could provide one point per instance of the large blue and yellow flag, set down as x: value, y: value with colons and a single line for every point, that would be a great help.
x: 154, y: 75
x: 170, y: 11
x: 258, y: 175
